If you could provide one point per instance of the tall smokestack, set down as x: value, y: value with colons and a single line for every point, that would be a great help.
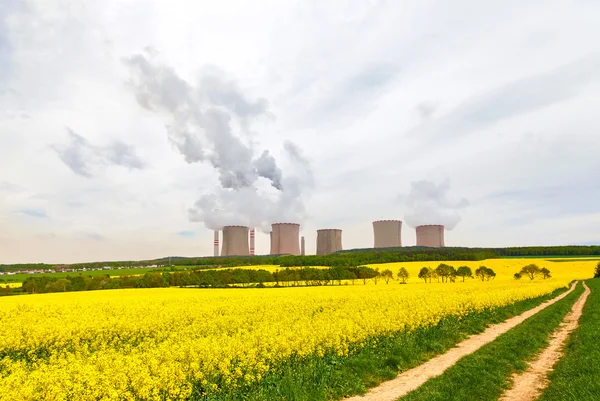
x: 252, y: 242
x: 302, y: 247
x: 216, y: 244
x: 430, y: 235
x: 285, y: 239
x: 387, y: 233
x: 329, y: 241
x: 235, y: 241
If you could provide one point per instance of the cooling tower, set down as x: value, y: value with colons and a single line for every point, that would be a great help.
x: 285, y: 239
x: 302, y: 246
x: 329, y: 241
x: 431, y: 236
x: 252, y: 242
x: 235, y: 241
x: 216, y: 244
x: 387, y: 233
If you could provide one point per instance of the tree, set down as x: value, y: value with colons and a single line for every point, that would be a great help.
x: 425, y: 273
x: 444, y: 271
x: 376, y: 276
x: 403, y: 275
x: 517, y: 276
x: 545, y: 273
x: 387, y: 275
x: 530, y: 271
x: 485, y: 273
x: 464, y: 271
x: 597, y: 272
x: 481, y: 272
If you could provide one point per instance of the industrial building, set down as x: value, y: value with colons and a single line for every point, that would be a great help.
x: 216, y: 244
x: 235, y: 241
x: 329, y: 241
x: 285, y: 239
x: 431, y: 236
x: 302, y: 246
x: 387, y: 233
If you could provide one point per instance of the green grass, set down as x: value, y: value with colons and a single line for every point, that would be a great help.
x: 333, y: 377
x: 19, y: 278
x: 485, y: 374
x: 577, y: 374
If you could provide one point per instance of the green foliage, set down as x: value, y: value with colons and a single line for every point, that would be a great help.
x: 387, y: 275
x: 545, y: 273
x: 597, y: 271
x: 464, y: 271
x: 517, y: 276
x: 217, y: 278
x: 403, y: 275
x: 485, y: 273
x: 425, y: 273
x: 445, y: 272
x: 530, y: 271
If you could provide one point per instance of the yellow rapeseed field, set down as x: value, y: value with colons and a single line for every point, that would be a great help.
x: 155, y: 343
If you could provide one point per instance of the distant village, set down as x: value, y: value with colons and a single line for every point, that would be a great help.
x: 70, y: 270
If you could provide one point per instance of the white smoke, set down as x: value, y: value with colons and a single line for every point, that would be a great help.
x: 210, y: 123
x: 430, y: 203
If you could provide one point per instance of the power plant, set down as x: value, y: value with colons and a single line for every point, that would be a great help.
x: 387, y: 233
x: 285, y: 239
x: 329, y: 241
x: 431, y: 236
x: 235, y: 241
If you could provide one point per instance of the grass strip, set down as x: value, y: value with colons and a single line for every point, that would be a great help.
x: 577, y: 374
x: 330, y: 377
x: 484, y: 374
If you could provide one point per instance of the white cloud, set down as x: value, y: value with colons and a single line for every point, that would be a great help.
x: 499, y: 98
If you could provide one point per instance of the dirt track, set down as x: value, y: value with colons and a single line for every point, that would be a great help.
x: 530, y: 384
x: 414, y: 378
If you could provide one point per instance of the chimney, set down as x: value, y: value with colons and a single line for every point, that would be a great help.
x: 252, y: 242
x: 216, y: 244
x: 302, y: 247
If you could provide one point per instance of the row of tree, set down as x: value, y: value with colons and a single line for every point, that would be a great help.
x: 532, y: 271
x: 447, y: 273
x: 219, y: 278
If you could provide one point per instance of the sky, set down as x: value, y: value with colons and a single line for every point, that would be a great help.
x: 130, y: 128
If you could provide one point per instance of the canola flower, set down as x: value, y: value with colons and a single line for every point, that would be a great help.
x: 154, y: 344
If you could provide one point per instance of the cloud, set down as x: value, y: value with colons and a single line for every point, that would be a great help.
x: 187, y: 234
x: 84, y: 159
x: 431, y: 203
x: 36, y: 213
x: 516, y: 98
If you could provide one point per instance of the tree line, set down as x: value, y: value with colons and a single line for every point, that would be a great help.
x: 355, y: 257
x: 221, y: 278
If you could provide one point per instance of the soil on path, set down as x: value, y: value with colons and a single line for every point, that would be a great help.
x: 530, y: 384
x: 414, y: 378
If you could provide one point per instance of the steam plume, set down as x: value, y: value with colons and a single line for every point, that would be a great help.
x: 430, y: 203
x: 209, y: 123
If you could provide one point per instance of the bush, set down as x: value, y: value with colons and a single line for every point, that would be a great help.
x: 597, y: 272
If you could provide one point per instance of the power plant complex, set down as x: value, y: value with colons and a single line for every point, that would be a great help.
x: 285, y: 238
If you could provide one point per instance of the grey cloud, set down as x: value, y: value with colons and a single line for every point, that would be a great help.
x: 83, y: 158
x: 431, y: 203
x: 266, y: 167
x: 36, y: 213
x: 426, y: 110
x: 208, y: 122
x: 514, y: 99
